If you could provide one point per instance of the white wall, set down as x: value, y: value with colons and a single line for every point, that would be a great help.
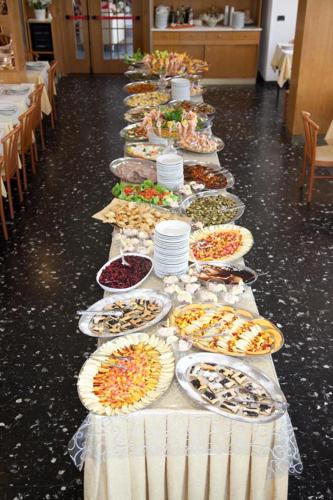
x: 275, y: 31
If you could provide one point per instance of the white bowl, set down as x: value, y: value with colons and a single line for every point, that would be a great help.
x: 118, y: 290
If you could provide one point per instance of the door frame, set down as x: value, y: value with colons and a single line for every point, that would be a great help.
x: 65, y: 38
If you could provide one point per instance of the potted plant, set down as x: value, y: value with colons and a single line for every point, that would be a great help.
x: 39, y: 7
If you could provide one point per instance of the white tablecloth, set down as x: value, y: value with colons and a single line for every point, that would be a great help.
x: 175, y: 451
x: 282, y: 62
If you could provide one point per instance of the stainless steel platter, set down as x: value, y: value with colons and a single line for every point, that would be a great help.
x: 215, y: 168
x: 129, y: 98
x: 219, y: 147
x: 255, y: 376
x: 195, y: 104
x: 131, y: 114
x: 131, y: 164
x: 161, y: 298
x: 128, y: 86
x: 227, y: 267
x: 238, y: 208
x: 124, y: 134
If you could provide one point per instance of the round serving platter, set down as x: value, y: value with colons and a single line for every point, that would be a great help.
x: 201, y: 236
x: 124, y: 133
x: 238, y: 208
x: 256, y: 376
x: 114, y: 356
x: 160, y: 298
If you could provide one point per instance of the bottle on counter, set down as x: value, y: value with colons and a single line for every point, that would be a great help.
x: 182, y: 14
x: 231, y: 13
x: 190, y: 16
x: 226, y: 15
x: 187, y: 11
x: 177, y: 21
x: 172, y: 16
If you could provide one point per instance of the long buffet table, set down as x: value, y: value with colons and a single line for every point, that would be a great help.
x: 176, y: 451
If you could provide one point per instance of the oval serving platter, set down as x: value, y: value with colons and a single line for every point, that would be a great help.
x: 203, y: 235
x: 209, y: 338
x: 211, y: 167
x: 162, y: 299
x: 263, y: 411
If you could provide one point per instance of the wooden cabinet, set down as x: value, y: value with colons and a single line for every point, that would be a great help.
x: 232, y: 61
x: 230, y: 54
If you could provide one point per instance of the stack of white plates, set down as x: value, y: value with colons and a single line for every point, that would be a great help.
x: 180, y: 89
x: 171, y: 247
x: 170, y: 170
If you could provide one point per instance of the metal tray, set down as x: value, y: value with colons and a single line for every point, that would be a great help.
x: 129, y: 97
x: 129, y: 85
x: 182, y: 373
x: 231, y: 267
x: 239, y: 208
x: 219, y: 147
x: 123, y: 134
x: 128, y: 115
x: 162, y: 298
x: 215, y: 168
x: 178, y: 103
x: 116, y: 163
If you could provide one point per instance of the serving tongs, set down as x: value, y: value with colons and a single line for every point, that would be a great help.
x: 275, y: 402
x: 114, y: 314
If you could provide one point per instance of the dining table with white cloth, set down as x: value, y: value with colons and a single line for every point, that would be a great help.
x: 34, y: 74
x: 14, y: 100
x: 282, y: 62
x: 175, y: 450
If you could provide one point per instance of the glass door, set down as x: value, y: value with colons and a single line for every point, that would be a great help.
x: 115, y: 30
x: 77, y: 43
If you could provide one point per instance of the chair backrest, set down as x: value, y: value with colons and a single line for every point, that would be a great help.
x: 36, y: 98
x: 10, y: 151
x: 311, y: 135
x: 26, y: 121
x: 51, y: 78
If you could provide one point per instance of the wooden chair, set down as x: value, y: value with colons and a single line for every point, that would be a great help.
x: 27, y: 141
x: 36, y: 98
x: 317, y: 156
x: 50, y: 90
x: 3, y: 219
x: 10, y: 165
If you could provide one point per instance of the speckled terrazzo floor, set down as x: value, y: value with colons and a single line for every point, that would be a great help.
x: 49, y: 266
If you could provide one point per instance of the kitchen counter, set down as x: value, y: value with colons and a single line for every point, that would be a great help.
x: 207, y: 28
